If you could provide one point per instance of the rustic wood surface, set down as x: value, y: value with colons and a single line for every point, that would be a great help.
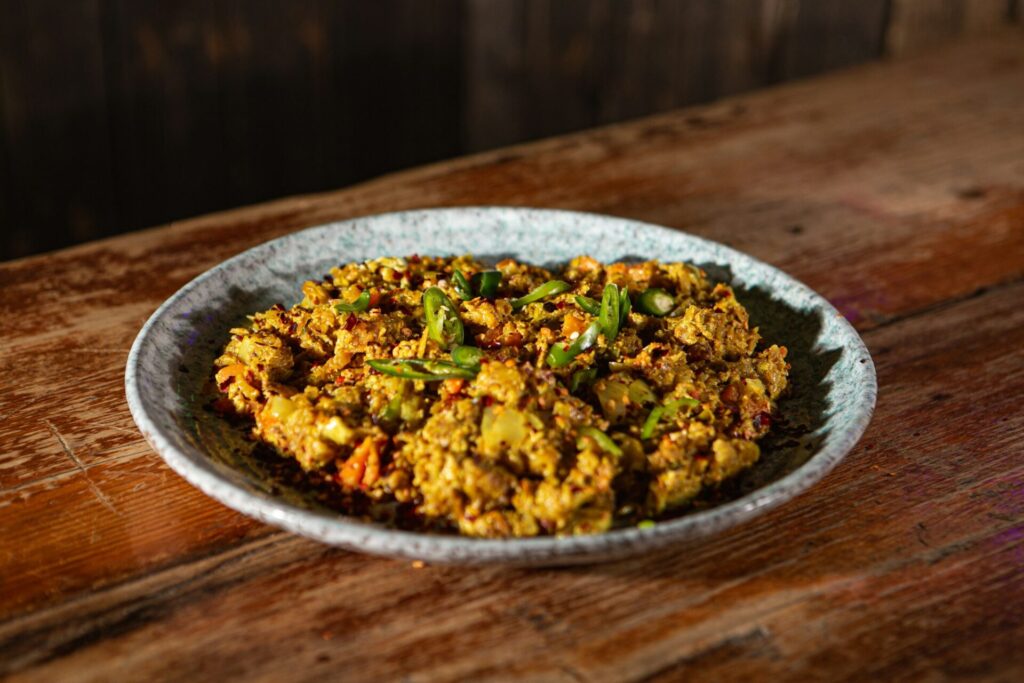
x: 895, y: 190
x: 117, y: 114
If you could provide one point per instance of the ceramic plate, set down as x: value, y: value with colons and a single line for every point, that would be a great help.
x: 832, y: 376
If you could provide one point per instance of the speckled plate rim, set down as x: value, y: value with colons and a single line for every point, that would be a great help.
x: 366, y: 537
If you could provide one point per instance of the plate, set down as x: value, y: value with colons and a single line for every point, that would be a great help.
x: 832, y: 376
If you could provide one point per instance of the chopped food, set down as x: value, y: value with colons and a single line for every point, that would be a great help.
x: 510, y: 401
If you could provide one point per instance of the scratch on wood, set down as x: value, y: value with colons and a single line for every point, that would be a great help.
x: 100, y: 496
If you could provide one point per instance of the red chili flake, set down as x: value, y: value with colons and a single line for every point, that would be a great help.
x: 762, y: 419
x: 488, y: 401
x: 559, y: 305
x: 339, y: 380
x: 223, y: 386
x: 415, y: 258
x: 729, y: 394
x: 350, y: 321
x: 726, y: 294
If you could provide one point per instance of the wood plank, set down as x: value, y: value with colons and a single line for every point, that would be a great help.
x: 778, y: 174
x: 916, y: 25
x: 162, y: 82
x: 54, y: 139
x: 919, y: 526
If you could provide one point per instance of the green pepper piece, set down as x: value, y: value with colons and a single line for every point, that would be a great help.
x: 392, y: 411
x: 461, y: 284
x: 670, y: 408
x: 582, y: 378
x: 561, y: 354
x: 361, y: 303
x: 625, y: 306
x: 549, y: 288
x: 418, y: 368
x: 609, y: 316
x: 600, y: 438
x: 589, y: 305
x: 443, y: 324
x: 655, y: 301
x: 467, y: 357
x: 486, y: 283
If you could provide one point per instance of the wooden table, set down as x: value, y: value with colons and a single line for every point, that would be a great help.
x: 896, y: 190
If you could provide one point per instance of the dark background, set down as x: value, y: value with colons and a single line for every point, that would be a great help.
x: 121, y: 114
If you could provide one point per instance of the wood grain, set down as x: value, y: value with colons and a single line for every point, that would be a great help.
x: 897, y: 191
x: 115, y: 114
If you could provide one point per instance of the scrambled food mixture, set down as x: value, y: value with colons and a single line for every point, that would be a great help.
x: 512, y: 401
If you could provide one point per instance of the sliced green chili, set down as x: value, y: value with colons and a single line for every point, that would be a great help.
x: 561, y: 354
x: 655, y: 301
x: 670, y: 408
x: 549, y: 288
x: 417, y: 368
x: 443, y: 324
x: 609, y: 315
x: 467, y: 357
x: 361, y: 303
x: 486, y: 283
x: 646, y: 524
x: 600, y: 438
x: 589, y: 305
x: 582, y: 378
x: 461, y: 284
x: 625, y: 306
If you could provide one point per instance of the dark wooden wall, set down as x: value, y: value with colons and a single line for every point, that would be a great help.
x: 119, y: 114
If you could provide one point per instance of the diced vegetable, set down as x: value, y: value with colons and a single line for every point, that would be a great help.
x: 501, y: 428
x: 613, y: 397
x: 337, y: 431
x: 582, y: 378
x: 640, y: 393
x: 279, y: 407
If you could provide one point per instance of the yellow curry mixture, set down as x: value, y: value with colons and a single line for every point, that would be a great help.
x: 510, y: 400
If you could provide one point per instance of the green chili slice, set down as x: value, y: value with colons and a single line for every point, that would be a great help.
x: 467, y: 357
x: 549, y: 288
x: 600, y: 438
x: 582, y: 378
x: 486, y: 283
x: 443, y: 324
x: 589, y: 305
x: 417, y: 368
x: 670, y: 408
x: 561, y: 354
x: 361, y: 303
x: 655, y: 301
x: 461, y: 284
x: 609, y: 315
x: 625, y: 306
